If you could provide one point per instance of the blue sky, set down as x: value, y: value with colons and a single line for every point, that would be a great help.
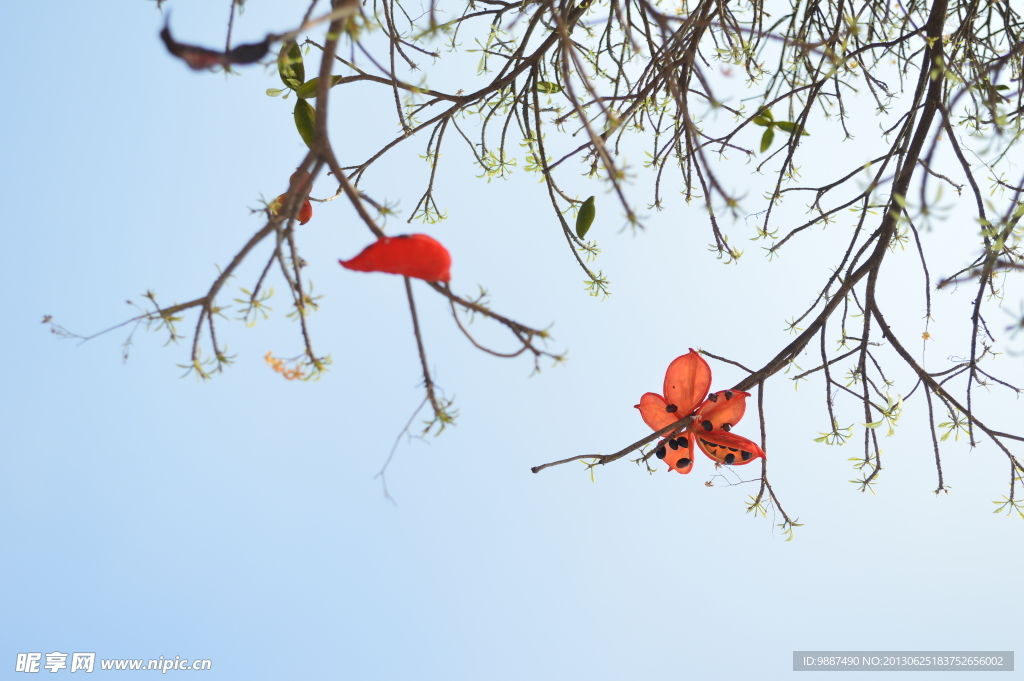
x: 238, y: 520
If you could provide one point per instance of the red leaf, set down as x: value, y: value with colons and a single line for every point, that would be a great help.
x: 411, y: 255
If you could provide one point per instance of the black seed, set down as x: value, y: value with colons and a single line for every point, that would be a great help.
x: 708, y: 444
x: 746, y: 455
x: 729, y: 394
x: 683, y: 463
x: 672, y: 444
x: 733, y: 449
x: 683, y: 442
x: 727, y: 427
x: 713, y: 397
x: 707, y: 425
x: 729, y: 458
x: 671, y: 409
x: 660, y: 453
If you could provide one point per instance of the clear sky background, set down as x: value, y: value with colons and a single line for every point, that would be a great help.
x: 239, y: 520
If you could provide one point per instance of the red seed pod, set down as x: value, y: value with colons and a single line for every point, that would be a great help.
x: 305, y: 213
x: 411, y: 255
x: 686, y: 384
x: 301, y: 179
x: 200, y: 58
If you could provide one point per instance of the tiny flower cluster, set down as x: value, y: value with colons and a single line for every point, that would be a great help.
x: 277, y: 364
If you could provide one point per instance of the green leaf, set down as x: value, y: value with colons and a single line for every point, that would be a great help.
x: 289, y: 65
x: 766, y: 112
x: 767, y: 138
x: 876, y: 424
x: 585, y: 218
x: 1002, y: 87
x: 305, y: 117
x: 763, y: 121
x: 548, y: 88
x: 308, y: 89
x: 273, y: 92
x: 789, y: 127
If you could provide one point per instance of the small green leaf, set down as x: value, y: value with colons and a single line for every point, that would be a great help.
x: 1002, y: 87
x: 548, y: 88
x: 789, y: 127
x: 308, y: 89
x: 585, y: 218
x: 763, y: 121
x: 767, y: 138
x: 876, y: 424
x: 289, y: 65
x: 273, y: 92
x: 305, y: 117
x: 767, y: 113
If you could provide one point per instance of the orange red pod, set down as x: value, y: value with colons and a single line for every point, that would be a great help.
x: 714, y: 414
x: 299, y: 178
x: 411, y: 255
x: 200, y: 58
